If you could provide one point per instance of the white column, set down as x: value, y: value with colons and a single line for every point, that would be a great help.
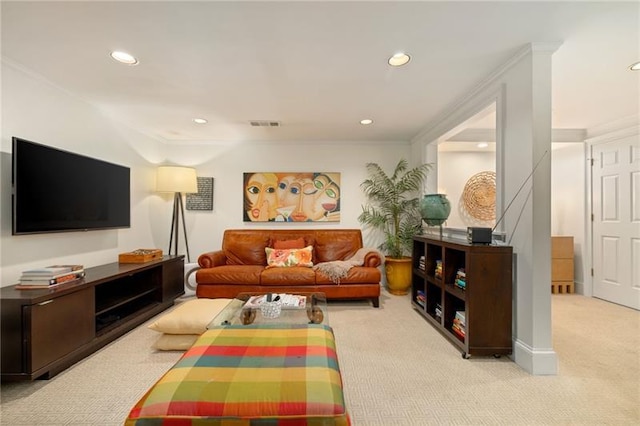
x: 528, y: 223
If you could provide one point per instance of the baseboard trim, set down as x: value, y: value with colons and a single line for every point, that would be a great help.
x: 539, y: 362
x: 581, y: 288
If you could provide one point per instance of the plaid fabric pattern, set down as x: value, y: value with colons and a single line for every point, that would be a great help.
x: 261, y: 375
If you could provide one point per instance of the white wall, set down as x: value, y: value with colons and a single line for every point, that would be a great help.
x: 226, y: 167
x: 568, y: 202
x: 454, y: 170
x: 35, y: 110
x: 568, y: 194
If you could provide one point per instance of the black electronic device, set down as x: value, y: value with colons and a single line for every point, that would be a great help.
x: 59, y: 191
x: 479, y: 235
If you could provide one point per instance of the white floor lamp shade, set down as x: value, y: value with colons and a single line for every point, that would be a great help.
x: 177, y: 179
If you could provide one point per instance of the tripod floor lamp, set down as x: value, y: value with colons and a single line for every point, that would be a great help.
x: 177, y: 179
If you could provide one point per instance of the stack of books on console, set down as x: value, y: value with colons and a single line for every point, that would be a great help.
x: 421, y: 298
x: 49, y: 277
x: 421, y: 263
x: 461, y: 279
x: 459, y: 324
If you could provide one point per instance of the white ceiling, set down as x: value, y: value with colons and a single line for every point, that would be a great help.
x: 318, y: 67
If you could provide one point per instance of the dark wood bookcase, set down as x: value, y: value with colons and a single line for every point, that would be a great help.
x: 44, y: 331
x: 486, y: 299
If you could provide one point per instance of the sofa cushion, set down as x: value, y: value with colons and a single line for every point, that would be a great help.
x: 356, y: 274
x: 336, y: 245
x: 290, y: 257
x: 289, y: 244
x: 295, y: 275
x: 230, y: 274
x: 246, y: 248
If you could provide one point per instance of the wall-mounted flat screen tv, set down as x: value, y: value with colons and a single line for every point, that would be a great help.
x: 59, y: 191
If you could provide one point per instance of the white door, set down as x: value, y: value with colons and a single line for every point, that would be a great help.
x: 616, y: 221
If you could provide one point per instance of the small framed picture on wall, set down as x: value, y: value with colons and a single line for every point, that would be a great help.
x: 203, y: 199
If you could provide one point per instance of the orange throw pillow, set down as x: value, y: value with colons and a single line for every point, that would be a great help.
x: 289, y: 244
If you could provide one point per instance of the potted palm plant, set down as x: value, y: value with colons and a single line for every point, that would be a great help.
x: 394, y: 209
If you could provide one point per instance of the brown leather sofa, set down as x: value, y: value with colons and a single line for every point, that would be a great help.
x: 241, y: 265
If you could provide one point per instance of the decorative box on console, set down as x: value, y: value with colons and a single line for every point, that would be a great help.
x: 140, y: 256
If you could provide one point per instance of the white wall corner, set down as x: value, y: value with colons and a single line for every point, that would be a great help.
x: 539, y: 362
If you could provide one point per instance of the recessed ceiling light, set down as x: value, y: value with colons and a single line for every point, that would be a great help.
x: 635, y: 67
x: 366, y: 121
x: 482, y: 145
x: 124, y: 57
x: 200, y: 120
x: 399, y: 59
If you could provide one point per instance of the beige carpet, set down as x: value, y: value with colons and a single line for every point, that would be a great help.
x: 397, y: 370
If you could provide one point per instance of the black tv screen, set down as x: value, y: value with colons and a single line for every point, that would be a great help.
x: 58, y: 191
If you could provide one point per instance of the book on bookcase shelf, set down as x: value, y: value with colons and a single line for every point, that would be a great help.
x: 458, y: 332
x: 458, y: 327
x: 459, y: 324
x: 461, y: 279
x: 438, y: 311
x: 438, y: 270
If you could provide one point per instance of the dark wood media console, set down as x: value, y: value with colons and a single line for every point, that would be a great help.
x: 45, y: 331
x: 486, y: 301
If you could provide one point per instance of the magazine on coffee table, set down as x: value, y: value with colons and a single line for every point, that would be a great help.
x: 289, y: 301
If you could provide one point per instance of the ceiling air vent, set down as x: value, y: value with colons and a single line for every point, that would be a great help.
x: 264, y: 123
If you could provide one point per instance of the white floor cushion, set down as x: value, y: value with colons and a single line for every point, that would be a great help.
x: 189, y: 317
x: 175, y: 342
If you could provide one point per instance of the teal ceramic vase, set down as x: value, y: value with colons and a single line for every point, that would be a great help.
x: 435, y: 209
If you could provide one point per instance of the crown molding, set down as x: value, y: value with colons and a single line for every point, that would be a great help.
x: 621, y: 126
x: 489, y: 135
x: 629, y: 131
x: 568, y: 135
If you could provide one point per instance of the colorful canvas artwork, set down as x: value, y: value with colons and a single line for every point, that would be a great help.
x: 291, y: 197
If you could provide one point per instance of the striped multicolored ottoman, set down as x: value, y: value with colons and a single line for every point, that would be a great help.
x: 250, y: 375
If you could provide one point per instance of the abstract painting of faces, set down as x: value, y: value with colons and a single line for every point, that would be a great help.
x: 291, y: 197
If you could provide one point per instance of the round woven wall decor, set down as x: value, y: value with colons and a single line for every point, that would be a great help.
x: 479, y: 195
